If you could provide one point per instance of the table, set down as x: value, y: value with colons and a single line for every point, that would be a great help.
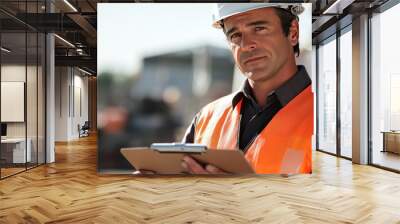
x: 391, y: 141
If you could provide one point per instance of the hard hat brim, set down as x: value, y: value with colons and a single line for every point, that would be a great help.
x: 244, y: 7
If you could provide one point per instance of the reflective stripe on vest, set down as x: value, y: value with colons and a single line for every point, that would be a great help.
x: 283, y: 146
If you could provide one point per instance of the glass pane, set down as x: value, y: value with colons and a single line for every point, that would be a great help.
x: 385, y: 90
x: 346, y: 94
x: 327, y: 97
x: 31, y: 86
x: 13, y: 87
x: 41, y: 98
x: 31, y: 98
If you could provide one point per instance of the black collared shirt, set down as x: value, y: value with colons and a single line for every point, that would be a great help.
x: 255, y: 118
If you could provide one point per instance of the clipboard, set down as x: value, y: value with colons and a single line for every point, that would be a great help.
x: 168, y: 161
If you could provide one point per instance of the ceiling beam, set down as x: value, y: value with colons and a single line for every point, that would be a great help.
x: 83, y: 23
x: 82, y: 61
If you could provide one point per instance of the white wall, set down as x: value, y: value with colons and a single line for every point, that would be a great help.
x: 12, y: 100
x: 61, y: 103
x: 16, y: 73
x: 80, y: 94
x: 33, y: 126
x: 71, y: 93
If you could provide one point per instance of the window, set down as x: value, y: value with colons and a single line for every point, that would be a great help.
x: 22, y: 78
x: 346, y: 93
x: 385, y: 89
x: 327, y: 96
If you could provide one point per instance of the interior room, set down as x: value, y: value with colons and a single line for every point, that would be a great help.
x: 52, y: 89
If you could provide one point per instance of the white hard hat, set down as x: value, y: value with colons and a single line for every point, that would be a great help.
x: 225, y: 10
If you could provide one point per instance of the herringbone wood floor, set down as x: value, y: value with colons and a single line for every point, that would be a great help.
x: 70, y: 191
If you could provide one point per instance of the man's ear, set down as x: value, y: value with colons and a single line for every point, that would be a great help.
x: 294, y: 33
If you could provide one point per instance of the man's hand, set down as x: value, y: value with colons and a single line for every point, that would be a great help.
x: 193, y: 167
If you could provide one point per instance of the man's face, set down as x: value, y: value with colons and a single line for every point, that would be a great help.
x: 258, y: 43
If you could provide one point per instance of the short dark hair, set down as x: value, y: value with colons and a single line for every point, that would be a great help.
x: 286, y: 18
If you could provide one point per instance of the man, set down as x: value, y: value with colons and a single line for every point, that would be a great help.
x: 271, y: 118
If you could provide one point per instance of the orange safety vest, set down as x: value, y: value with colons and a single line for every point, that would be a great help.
x: 283, y: 146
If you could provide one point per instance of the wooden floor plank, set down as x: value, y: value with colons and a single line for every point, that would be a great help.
x: 70, y: 191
